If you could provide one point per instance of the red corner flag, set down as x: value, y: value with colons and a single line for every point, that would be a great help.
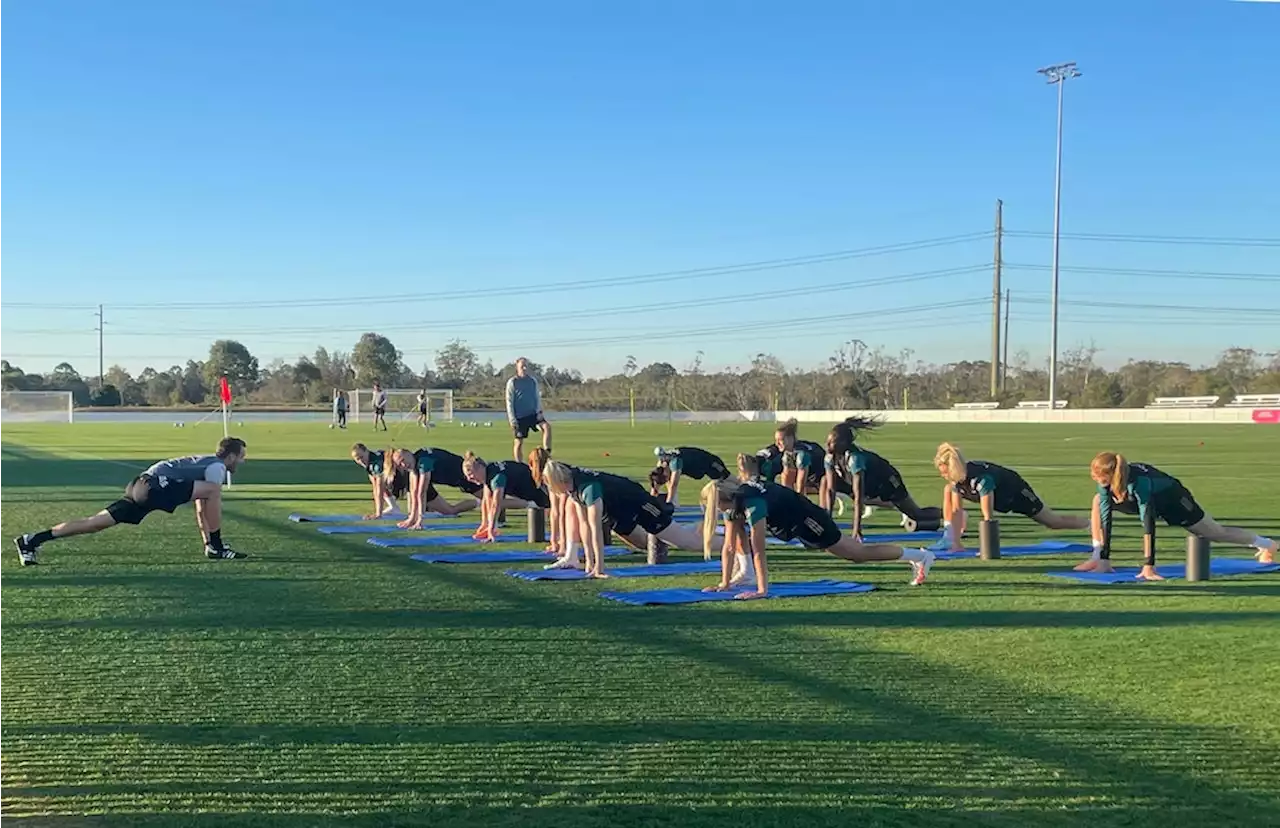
x: 226, y: 391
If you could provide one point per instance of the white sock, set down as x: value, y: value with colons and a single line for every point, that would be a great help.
x: 571, y: 553
x: 913, y: 555
x: 1097, y: 552
x: 1261, y: 542
x: 745, y: 568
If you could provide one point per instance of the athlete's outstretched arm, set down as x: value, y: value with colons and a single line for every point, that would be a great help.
x: 759, y: 538
x: 855, y: 484
x: 378, y: 493
x: 594, y: 534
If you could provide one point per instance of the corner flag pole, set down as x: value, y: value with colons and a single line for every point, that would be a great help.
x: 225, y: 393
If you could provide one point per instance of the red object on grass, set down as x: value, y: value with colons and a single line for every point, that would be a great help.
x: 226, y: 391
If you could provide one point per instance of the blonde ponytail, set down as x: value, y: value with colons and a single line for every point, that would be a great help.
x: 558, y: 475
x: 950, y: 458
x: 710, y: 499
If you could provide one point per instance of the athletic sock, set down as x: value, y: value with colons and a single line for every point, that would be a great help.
x: 1097, y: 552
x: 1261, y: 542
x: 215, y: 539
x: 912, y: 555
x: 41, y: 537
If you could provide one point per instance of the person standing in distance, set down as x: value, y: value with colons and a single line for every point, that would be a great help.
x: 524, y: 408
x: 340, y: 407
x: 161, y: 488
x: 379, y: 406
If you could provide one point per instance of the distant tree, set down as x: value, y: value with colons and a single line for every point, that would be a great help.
x: 456, y: 364
x: 376, y: 358
x: 192, y: 388
x: 231, y: 359
x: 107, y: 395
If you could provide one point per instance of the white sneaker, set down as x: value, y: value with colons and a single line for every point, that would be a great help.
x: 903, y: 522
x: 920, y: 570
x: 867, y: 512
x: 565, y: 563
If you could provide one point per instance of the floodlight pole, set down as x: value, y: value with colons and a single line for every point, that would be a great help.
x: 1058, y: 75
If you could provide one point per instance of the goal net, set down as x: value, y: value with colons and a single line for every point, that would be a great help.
x: 36, y: 407
x: 403, y: 404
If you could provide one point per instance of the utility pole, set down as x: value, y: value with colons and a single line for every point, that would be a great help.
x: 995, y: 302
x: 102, y: 373
x: 1004, y: 363
x: 1058, y: 75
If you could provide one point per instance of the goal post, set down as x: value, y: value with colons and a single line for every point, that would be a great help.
x: 37, y: 407
x: 402, y: 404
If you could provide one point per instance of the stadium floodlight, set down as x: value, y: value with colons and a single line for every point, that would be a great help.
x: 1058, y: 74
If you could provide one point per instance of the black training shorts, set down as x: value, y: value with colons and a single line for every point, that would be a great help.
x: 527, y: 423
x: 1177, y: 507
x: 816, y: 531
x: 146, y: 494
x: 652, y: 516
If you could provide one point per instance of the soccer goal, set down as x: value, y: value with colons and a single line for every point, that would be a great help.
x: 37, y: 407
x: 402, y: 404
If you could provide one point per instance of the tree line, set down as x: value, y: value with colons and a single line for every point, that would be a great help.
x: 856, y: 376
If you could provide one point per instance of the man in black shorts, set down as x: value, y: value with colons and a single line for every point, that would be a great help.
x: 161, y: 488
x: 524, y: 408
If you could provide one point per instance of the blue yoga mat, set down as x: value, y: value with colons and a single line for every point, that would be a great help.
x: 497, y: 556
x: 1129, y: 574
x: 901, y: 537
x: 301, y: 518
x: 415, y: 539
x: 643, y: 571
x: 798, y: 589
x: 368, y: 528
x: 1042, y: 548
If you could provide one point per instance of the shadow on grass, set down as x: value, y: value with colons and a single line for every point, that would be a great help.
x: 1037, y: 758
x: 555, y: 812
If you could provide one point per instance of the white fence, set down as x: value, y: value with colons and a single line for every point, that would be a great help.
x: 1008, y: 415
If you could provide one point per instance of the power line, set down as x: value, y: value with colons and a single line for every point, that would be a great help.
x: 1134, y: 238
x: 1193, y: 309
x: 596, y: 282
x: 1207, y: 275
x: 614, y: 310
x: 608, y: 336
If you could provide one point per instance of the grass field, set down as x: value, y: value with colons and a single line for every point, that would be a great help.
x: 327, y: 682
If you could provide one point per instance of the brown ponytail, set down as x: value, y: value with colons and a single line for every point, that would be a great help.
x: 748, y: 466
x: 538, y: 459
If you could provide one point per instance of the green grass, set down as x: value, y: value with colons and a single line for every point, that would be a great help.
x: 326, y: 682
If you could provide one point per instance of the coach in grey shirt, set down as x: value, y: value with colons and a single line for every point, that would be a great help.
x: 524, y: 408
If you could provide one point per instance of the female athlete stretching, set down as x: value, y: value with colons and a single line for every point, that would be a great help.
x: 755, y: 509
x: 505, y: 478
x: 799, y: 462
x: 995, y: 489
x: 678, y: 463
x: 389, y: 484
x: 426, y: 467
x: 596, y: 498
x: 1144, y: 490
x: 871, y: 478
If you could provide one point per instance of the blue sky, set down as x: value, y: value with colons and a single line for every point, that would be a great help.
x: 210, y: 159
